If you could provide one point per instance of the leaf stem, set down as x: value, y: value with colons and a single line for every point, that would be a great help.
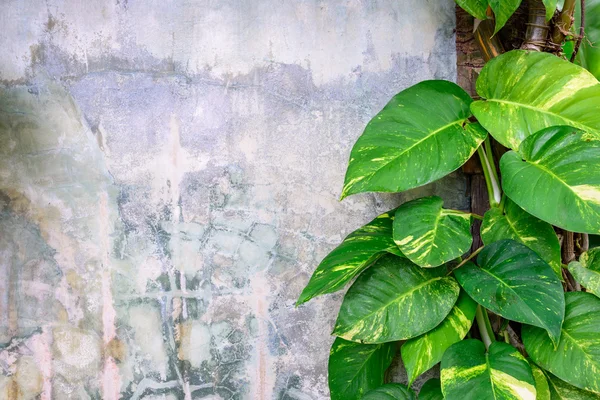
x: 491, y: 179
x: 477, y: 216
x: 463, y: 262
x: 485, y: 327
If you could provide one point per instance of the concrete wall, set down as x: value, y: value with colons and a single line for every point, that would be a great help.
x: 169, y: 176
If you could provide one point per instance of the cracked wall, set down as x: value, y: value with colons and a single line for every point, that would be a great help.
x: 169, y: 176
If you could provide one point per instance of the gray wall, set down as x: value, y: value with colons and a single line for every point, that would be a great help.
x: 169, y: 179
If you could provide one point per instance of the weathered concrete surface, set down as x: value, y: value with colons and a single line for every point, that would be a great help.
x: 169, y: 176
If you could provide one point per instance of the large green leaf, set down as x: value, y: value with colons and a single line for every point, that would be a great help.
x: 561, y: 390
x: 355, y: 368
x: 503, y: 10
x: 469, y: 373
x: 430, y: 235
x: 391, y: 391
x: 351, y: 257
x: 514, y: 282
x: 431, y: 390
x: 587, y: 270
x: 550, y: 8
x: 524, y: 92
x: 576, y: 360
x: 423, y: 352
x: 421, y: 135
x: 476, y: 8
x: 516, y: 224
x: 589, y: 53
x: 541, y: 383
x: 559, y: 179
x: 395, y: 300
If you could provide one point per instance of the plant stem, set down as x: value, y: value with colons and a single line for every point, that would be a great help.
x: 463, y: 262
x: 581, y: 32
x: 485, y: 327
x: 537, y: 27
x: 491, y: 179
x: 562, y: 25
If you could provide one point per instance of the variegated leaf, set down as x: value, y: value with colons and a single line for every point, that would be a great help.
x: 561, y: 390
x: 395, y: 151
x: 469, y: 373
x: 523, y: 92
x: 431, y: 390
x: 564, y: 165
x: 517, y: 224
x: 391, y: 391
x: 576, y: 360
x: 541, y: 383
x: 423, y: 352
x: 429, y: 235
x: 503, y: 10
x: 476, y: 8
x: 358, y: 250
x: 395, y: 300
x: 355, y: 368
x: 587, y: 270
x: 514, y: 282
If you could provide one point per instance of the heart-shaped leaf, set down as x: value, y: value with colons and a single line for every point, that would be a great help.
x: 391, y: 391
x: 476, y: 8
x: 423, y: 352
x: 524, y: 92
x: 559, y: 179
x: 587, y: 270
x: 561, y: 390
x: 514, y: 282
x: 517, y: 224
x: 576, y: 360
x: 469, y: 373
x: 355, y: 368
x: 431, y: 390
x: 395, y: 300
x: 430, y: 235
x: 541, y: 383
x: 503, y: 10
x: 352, y: 256
x: 395, y: 151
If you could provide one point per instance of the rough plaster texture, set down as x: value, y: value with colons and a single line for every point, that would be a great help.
x: 169, y: 176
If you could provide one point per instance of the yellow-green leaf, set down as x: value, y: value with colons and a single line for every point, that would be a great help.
x: 587, y: 270
x: 561, y: 390
x: 541, y: 383
x: 476, y: 8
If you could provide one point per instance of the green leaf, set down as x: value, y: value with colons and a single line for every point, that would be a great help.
x: 589, y: 52
x: 395, y: 300
x: 559, y: 181
x: 550, y: 8
x: 587, y: 270
x: 522, y: 227
x: 528, y: 91
x: 561, y: 390
x: 476, y: 8
x: 430, y: 235
x: 514, y: 282
x: 391, y: 391
x: 359, y: 250
x: 420, y: 136
x: 469, y: 373
x: 576, y: 360
x: 431, y: 390
x: 503, y: 10
x: 541, y: 383
x: 355, y: 369
x: 423, y: 352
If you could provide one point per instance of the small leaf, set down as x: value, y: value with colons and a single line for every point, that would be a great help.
x: 468, y: 373
x: 550, y: 8
x: 541, y: 383
x: 423, y: 352
x: 391, y: 391
x: 587, y: 270
x: 515, y: 283
x: 576, y: 360
x: 559, y: 181
x: 420, y: 136
x: 395, y: 300
x: 524, y: 92
x: 476, y: 8
x: 561, y: 390
x: 430, y: 235
x: 431, y: 390
x: 503, y: 10
x: 355, y: 369
x: 359, y: 250
x: 520, y: 226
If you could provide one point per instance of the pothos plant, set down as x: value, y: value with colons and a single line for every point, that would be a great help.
x: 510, y: 320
